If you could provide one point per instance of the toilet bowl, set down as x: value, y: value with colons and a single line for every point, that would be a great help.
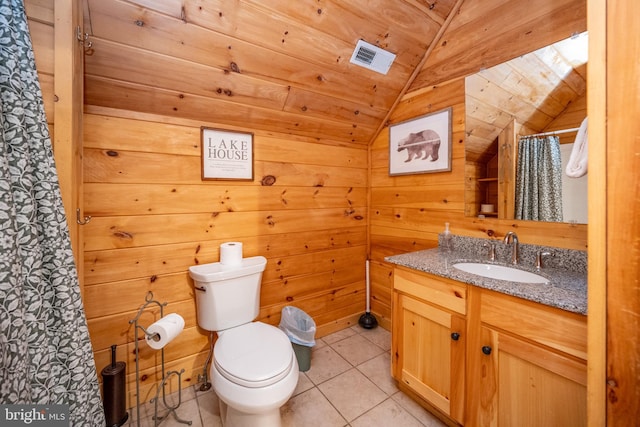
x: 254, y: 370
x: 254, y: 373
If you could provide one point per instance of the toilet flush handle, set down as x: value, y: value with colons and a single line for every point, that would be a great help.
x: 200, y: 288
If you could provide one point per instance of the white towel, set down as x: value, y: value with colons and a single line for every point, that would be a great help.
x: 577, y: 165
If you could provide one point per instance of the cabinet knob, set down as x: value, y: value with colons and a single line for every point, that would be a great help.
x: 486, y: 350
x: 455, y: 336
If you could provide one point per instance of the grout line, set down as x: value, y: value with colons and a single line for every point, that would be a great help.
x: 364, y: 333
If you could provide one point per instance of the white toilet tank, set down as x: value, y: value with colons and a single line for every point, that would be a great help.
x: 228, y: 296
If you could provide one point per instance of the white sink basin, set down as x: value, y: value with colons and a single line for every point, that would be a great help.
x: 500, y: 272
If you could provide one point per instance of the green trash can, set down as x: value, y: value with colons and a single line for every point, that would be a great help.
x: 303, y: 355
x: 301, y: 330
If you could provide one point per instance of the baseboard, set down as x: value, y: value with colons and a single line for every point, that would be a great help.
x: 347, y: 322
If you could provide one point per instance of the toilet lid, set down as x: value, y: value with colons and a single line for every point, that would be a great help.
x: 253, y: 355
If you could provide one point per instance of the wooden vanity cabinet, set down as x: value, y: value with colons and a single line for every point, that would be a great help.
x: 527, y: 364
x: 487, y: 359
x: 428, y: 339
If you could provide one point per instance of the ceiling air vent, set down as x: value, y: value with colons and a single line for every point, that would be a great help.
x: 372, y: 57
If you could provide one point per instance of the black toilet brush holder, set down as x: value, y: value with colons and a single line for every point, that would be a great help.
x: 114, y: 391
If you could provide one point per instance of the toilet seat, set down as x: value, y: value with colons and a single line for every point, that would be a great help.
x: 253, y: 355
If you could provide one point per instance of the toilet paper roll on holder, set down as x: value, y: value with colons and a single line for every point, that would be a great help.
x: 149, y: 301
x: 152, y: 336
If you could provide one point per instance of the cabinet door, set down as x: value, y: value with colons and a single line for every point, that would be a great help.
x: 524, y: 384
x: 429, y: 353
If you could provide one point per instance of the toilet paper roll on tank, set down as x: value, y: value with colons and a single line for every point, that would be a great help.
x: 231, y: 253
x: 164, y: 331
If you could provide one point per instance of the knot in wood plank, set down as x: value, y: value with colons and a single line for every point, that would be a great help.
x: 268, y: 180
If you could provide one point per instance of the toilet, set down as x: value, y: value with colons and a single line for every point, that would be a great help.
x: 254, y: 370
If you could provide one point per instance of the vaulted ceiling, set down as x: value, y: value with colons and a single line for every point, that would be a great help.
x: 541, y: 90
x: 284, y: 66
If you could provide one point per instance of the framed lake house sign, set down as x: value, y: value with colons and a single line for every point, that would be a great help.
x: 227, y: 154
x: 421, y: 145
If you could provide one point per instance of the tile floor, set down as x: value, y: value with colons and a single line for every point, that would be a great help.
x: 349, y: 384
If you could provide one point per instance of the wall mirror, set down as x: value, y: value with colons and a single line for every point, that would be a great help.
x: 542, y: 93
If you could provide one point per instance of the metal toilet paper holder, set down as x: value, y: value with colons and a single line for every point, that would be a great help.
x: 149, y: 301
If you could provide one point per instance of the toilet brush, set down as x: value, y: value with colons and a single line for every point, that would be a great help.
x: 368, y: 320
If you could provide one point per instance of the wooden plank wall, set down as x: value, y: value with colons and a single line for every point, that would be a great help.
x: 622, y: 226
x: 408, y: 212
x: 40, y: 17
x: 153, y: 217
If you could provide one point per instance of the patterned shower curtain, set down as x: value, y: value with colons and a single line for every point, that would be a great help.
x: 45, y: 352
x: 539, y: 179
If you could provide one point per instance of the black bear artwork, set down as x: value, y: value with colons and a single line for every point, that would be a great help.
x: 420, y: 145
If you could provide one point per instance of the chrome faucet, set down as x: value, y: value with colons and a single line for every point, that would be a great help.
x: 512, y: 237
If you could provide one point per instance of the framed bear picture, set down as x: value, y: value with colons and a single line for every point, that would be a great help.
x: 421, y: 145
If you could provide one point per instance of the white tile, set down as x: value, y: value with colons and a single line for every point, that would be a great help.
x: 356, y: 328
x: 388, y: 413
x: 379, y: 336
x: 171, y: 398
x: 187, y: 411
x: 310, y: 409
x: 330, y: 394
x: 378, y: 370
x: 325, y: 364
x: 144, y: 422
x: 304, y: 384
x: 319, y: 343
x: 352, y: 394
x: 337, y: 336
x: 356, y: 349
x: 209, y: 408
x: 424, y: 416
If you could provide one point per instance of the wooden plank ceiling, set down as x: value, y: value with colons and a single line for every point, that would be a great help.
x: 283, y: 66
x: 278, y: 66
x: 534, y: 89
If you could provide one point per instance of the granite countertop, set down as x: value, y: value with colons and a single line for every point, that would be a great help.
x: 566, y: 289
